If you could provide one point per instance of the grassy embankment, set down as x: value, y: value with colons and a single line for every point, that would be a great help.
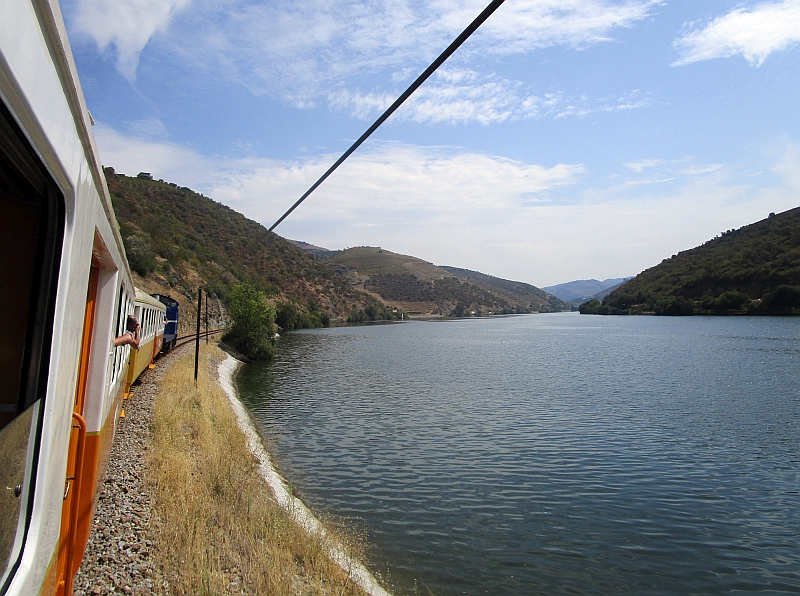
x: 220, y: 530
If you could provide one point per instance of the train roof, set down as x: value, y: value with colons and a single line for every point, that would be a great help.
x: 145, y: 298
x: 168, y: 300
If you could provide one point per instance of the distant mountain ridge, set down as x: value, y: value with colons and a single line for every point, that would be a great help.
x: 583, y: 288
x: 752, y: 270
x: 422, y: 288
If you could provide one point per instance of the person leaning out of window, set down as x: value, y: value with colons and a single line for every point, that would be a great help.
x: 131, y: 337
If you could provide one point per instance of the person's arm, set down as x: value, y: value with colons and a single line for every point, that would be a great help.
x: 135, y: 337
x: 128, y: 339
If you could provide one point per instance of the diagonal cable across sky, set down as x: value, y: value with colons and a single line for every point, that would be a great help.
x: 473, y: 26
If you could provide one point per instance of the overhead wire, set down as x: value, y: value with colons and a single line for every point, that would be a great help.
x: 473, y: 26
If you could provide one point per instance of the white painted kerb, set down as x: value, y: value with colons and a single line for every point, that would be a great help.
x: 294, y: 506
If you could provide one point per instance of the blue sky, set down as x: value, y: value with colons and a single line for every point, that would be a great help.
x: 566, y: 139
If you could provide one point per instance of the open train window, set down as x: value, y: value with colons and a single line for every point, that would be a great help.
x: 31, y: 231
x: 120, y: 353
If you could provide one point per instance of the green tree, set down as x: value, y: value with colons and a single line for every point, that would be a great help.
x: 140, y: 253
x: 674, y: 307
x: 252, y: 332
x: 287, y: 317
x: 732, y: 300
x: 782, y: 298
x: 460, y: 310
x: 591, y: 308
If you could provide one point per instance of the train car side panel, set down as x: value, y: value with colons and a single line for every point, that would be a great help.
x: 39, y: 87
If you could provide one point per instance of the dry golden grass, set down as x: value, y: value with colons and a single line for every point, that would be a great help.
x: 219, y: 530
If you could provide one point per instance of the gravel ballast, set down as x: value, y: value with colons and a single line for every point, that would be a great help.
x: 118, y: 557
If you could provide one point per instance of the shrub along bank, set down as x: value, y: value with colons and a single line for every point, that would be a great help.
x: 252, y: 329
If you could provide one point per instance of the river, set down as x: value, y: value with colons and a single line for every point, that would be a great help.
x: 549, y: 454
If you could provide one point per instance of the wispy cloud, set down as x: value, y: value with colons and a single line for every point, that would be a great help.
x: 463, y: 96
x: 522, y: 26
x: 299, y: 48
x: 755, y: 34
x: 583, y: 106
x: 125, y: 25
x: 659, y: 171
x: 638, y: 166
x: 453, y: 97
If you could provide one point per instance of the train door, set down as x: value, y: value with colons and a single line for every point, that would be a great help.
x: 68, y: 562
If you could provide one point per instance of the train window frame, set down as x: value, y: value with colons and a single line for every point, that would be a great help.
x: 119, y: 353
x: 30, y: 183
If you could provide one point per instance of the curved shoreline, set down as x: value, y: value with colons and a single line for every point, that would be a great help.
x: 301, y: 514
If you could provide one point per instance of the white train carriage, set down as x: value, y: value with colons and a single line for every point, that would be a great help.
x: 151, y: 314
x: 65, y: 291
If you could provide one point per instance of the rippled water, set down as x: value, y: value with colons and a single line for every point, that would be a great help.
x: 549, y: 454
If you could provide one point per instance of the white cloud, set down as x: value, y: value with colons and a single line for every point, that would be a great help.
x: 397, y: 183
x: 696, y: 170
x: 461, y: 96
x: 484, y: 212
x: 638, y: 166
x: 584, y: 106
x: 661, y: 171
x: 299, y: 49
x: 755, y: 34
x: 135, y: 153
x: 149, y: 128
x: 360, y: 105
x: 454, y: 97
x: 385, y: 176
x: 128, y: 25
x: 525, y: 25
x: 788, y: 166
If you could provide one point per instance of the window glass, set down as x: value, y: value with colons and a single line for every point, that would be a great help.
x: 30, y: 241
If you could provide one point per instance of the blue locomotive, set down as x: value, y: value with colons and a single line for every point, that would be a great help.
x: 170, y: 321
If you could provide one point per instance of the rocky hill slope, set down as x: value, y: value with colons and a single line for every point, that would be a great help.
x: 421, y: 288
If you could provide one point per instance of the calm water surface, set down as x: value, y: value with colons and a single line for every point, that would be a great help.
x: 550, y: 454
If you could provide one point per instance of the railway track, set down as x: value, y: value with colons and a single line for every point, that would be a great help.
x: 185, y: 339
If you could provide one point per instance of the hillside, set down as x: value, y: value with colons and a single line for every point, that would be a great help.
x: 421, y: 288
x: 317, y: 251
x: 177, y: 240
x: 606, y: 291
x: 515, y: 292
x: 752, y: 270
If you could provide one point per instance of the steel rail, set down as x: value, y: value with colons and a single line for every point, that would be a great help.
x: 185, y: 339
